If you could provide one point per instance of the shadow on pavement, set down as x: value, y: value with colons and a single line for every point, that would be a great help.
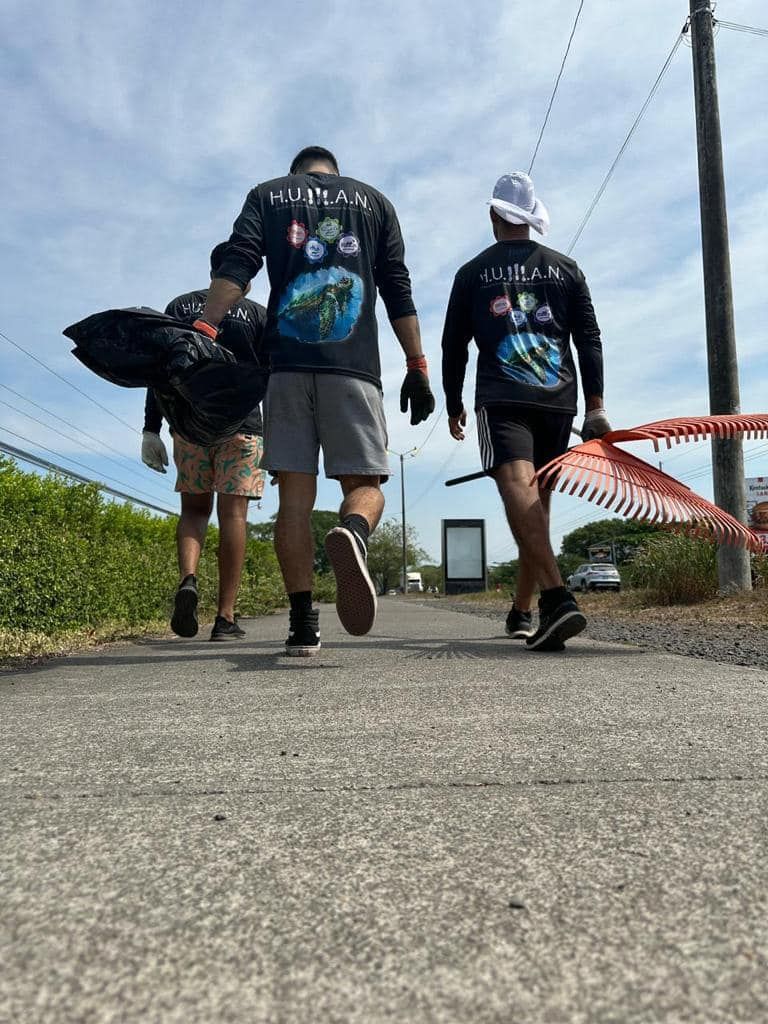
x: 268, y: 656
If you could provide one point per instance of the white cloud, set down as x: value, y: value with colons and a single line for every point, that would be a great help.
x: 136, y: 130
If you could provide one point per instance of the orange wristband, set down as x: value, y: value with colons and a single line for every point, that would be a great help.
x: 417, y: 363
x: 203, y: 327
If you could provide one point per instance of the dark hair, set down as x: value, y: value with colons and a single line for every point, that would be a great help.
x: 217, y: 256
x: 310, y: 155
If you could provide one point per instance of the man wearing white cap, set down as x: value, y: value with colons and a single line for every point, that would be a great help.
x: 523, y: 304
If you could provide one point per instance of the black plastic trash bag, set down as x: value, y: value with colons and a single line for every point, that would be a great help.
x: 204, y: 392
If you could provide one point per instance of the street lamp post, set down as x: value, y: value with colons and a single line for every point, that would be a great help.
x: 401, y: 456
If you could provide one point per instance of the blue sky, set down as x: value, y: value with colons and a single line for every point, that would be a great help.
x: 132, y: 133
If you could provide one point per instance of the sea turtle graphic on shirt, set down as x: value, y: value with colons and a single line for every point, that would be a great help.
x: 325, y: 303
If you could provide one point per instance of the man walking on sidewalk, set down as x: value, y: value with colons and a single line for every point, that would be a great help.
x: 229, y: 469
x: 330, y: 242
x: 523, y: 303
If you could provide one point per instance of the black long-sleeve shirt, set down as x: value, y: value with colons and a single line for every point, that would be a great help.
x: 330, y: 243
x: 242, y: 332
x: 522, y: 303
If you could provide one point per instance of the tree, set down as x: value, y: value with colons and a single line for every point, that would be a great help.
x: 431, y: 576
x: 626, y: 535
x: 504, y: 574
x: 321, y: 521
x: 385, y: 553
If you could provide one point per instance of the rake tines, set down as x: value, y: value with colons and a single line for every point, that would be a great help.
x: 609, y: 476
x: 694, y: 428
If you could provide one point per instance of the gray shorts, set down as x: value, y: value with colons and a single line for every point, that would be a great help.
x: 304, y: 412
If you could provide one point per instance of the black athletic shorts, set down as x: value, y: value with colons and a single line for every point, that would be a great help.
x: 510, y: 432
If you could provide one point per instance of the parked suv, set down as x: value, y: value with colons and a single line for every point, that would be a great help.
x: 595, y: 576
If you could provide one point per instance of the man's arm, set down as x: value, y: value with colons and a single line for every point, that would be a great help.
x: 391, y: 274
x: 153, y: 417
x: 457, y: 334
x: 242, y: 261
x: 222, y: 295
x: 589, y: 348
x: 407, y: 331
x: 394, y: 284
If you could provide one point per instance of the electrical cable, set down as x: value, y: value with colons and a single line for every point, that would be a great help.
x: 68, y: 383
x: 435, y: 425
x: 59, y: 455
x: 21, y: 456
x: 440, y: 471
x: 625, y: 144
x: 735, y: 27
x: 554, y: 91
x: 61, y: 419
x: 75, y: 440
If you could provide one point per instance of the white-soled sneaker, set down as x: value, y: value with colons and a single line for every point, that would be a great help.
x: 355, y: 592
x: 303, y: 634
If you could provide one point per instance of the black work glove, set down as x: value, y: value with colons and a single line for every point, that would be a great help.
x: 417, y: 391
x: 595, y: 425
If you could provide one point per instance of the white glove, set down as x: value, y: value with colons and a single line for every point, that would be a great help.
x: 595, y: 425
x: 153, y: 451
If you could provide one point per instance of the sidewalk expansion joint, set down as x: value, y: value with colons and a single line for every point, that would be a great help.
x: 400, y: 787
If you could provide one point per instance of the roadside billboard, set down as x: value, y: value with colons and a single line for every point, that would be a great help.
x: 464, y: 568
x: 757, y: 506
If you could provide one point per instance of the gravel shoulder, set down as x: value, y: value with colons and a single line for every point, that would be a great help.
x: 730, y: 630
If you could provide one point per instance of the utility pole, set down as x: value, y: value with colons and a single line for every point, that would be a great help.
x: 727, y: 455
x: 401, y: 456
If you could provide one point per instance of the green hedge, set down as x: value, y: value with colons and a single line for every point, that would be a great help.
x: 71, y: 560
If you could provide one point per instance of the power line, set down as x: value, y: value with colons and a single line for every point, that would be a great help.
x: 734, y: 26
x: 435, y: 425
x: 625, y: 143
x: 440, y: 471
x: 34, y: 460
x: 557, y: 83
x: 68, y: 382
x: 75, y: 440
x: 61, y: 419
x: 58, y: 455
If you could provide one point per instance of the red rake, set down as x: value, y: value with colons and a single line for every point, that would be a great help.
x: 614, y: 479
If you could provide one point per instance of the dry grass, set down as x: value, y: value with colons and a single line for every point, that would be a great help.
x: 21, y: 648
x: 751, y: 608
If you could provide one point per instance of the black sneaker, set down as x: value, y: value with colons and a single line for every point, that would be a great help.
x: 184, y: 618
x: 223, y: 629
x: 303, y: 634
x: 519, y: 624
x: 556, y: 625
x: 355, y: 592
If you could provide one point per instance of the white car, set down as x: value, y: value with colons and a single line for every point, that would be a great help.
x: 595, y: 576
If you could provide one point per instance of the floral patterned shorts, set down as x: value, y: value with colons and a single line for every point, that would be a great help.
x: 231, y: 467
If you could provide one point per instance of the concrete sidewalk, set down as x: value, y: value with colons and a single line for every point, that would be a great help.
x: 429, y: 824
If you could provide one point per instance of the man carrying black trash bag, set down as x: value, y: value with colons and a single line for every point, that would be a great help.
x: 330, y: 243
x: 228, y: 468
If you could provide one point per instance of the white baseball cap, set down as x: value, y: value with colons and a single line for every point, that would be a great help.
x: 515, y: 201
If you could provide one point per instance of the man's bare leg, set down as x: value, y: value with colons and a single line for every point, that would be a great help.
x: 362, y: 497
x: 559, y: 615
x: 347, y: 549
x: 294, y: 544
x: 233, y: 516
x: 528, y: 519
x: 295, y: 549
x: 191, y: 530
x: 190, y: 537
x: 527, y: 580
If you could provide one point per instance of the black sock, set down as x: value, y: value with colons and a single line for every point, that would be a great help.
x: 301, y: 601
x: 359, y: 526
x: 554, y: 596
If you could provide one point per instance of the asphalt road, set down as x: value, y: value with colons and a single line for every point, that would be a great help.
x: 429, y: 824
